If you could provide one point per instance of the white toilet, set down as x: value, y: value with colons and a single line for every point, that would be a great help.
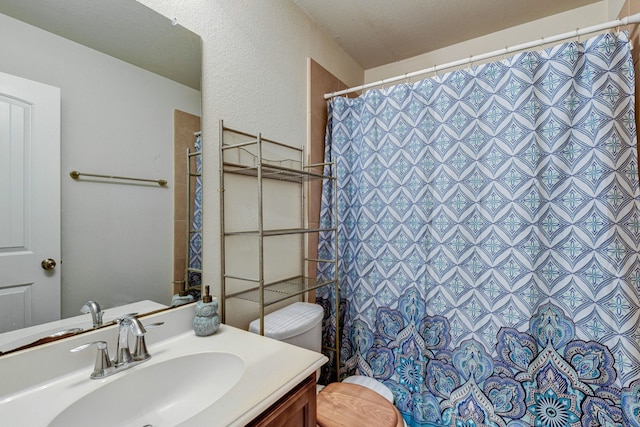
x: 300, y: 324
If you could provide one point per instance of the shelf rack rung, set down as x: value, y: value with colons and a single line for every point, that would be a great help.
x: 279, y: 232
x: 280, y: 290
x: 274, y: 172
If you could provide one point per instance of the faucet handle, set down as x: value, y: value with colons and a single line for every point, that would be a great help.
x: 127, y: 316
x: 102, y: 345
x: 103, y: 365
x: 154, y: 325
x: 140, y: 351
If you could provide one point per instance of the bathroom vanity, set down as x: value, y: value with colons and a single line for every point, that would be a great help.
x: 296, y: 409
x: 232, y: 378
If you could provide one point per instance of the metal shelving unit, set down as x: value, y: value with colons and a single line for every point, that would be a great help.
x: 243, y: 154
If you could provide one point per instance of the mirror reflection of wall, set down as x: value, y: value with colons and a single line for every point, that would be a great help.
x: 187, y: 251
x: 116, y: 119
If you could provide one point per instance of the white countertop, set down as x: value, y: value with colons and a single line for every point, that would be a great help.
x: 39, y: 383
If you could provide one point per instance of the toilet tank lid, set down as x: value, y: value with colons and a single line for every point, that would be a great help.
x: 289, y: 321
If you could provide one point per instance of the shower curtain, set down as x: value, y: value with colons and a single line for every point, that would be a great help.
x: 195, y: 239
x: 489, y: 237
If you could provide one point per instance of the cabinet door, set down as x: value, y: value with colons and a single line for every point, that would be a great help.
x: 296, y: 409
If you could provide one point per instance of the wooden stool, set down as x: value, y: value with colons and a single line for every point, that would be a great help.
x: 352, y: 405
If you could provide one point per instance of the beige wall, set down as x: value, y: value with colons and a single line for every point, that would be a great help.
x: 185, y: 126
x: 255, y: 79
x: 321, y: 81
x: 585, y: 16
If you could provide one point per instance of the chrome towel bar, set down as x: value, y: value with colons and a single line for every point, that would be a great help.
x: 76, y: 175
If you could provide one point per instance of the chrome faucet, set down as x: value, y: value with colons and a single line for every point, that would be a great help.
x: 128, y: 323
x: 104, y: 366
x: 96, y: 314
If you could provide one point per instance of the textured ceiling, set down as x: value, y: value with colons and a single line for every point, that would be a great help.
x: 372, y: 32
x: 379, y: 32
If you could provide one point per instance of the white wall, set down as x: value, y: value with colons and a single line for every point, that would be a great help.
x: 255, y: 79
x: 117, y: 119
x: 595, y: 13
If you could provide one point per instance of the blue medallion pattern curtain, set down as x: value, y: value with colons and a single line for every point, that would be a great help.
x: 489, y: 240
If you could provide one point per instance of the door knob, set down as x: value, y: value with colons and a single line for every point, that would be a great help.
x: 48, y: 264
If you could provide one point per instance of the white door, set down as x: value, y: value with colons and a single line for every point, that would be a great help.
x: 29, y: 203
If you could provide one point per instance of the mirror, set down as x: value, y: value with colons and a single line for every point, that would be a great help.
x: 123, y: 70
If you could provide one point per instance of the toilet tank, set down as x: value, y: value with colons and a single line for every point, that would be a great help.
x: 299, y: 324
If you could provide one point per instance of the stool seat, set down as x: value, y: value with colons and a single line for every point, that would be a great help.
x: 352, y: 405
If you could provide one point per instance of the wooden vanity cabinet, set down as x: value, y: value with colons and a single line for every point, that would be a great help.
x: 295, y: 409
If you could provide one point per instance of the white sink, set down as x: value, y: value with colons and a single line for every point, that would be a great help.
x: 227, y: 379
x: 162, y: 394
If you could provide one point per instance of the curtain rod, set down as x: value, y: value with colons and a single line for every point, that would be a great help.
x: 627, y: 20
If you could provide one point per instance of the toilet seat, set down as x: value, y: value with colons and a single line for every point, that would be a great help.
x: 352, y: 405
